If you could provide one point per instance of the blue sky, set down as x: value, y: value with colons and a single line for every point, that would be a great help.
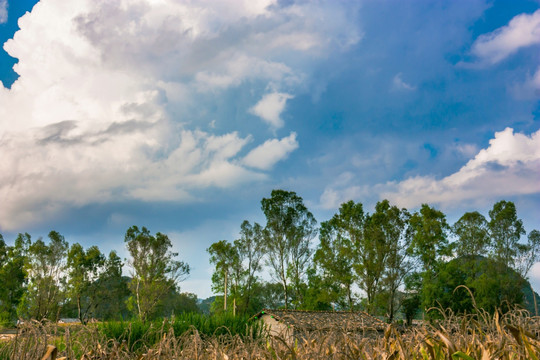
x: 181, y: 116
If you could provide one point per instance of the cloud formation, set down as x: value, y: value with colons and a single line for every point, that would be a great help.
x: 509, y: 166
x: 3, y: 11
x: 270, y: 107
x: 399, y: 84
x: 522, y: 31
x: 108, y: 105
x: 265, y: 156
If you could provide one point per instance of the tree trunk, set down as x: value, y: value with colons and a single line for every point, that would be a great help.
x: 79, y: 308
x: 349, y: 297
x: 225, y: 294
x: 138, y: 301
x: 286, y: 295
x: 535, y: 303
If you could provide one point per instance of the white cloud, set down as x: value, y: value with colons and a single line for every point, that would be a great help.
x: 270, y: 107
x: 332, y: 198
x: 342, y: 190
x: 522, y: 31
x: 534, y: 275
x: 530, y: 89
x: 3, y: 11
x: 265, y: 156
x: 399, y: 84
x: 509, y: 166
x: 108, y: 98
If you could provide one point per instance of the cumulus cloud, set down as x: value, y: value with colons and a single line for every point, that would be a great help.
x: 522, y: 31
x: 265, y: 156
x: 108, y: 98
x: 3, y: 11
x: 270, y: 107
x: 509, y: 166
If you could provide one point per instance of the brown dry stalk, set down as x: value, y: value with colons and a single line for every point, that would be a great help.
x: 512, y: 335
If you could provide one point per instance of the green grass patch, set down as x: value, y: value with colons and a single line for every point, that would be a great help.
x: 137, y: 334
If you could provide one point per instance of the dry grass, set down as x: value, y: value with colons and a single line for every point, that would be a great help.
x: 476, y: 336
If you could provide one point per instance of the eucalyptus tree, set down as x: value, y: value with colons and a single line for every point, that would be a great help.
x: 392, y: 225
x: 337, y: 255
x: 111, y: 290
x: 429, y: 244
x: 532, y: 255
x: 505, y: 231
x: 12, y: 277
x: 289, y: 229
x: 472, y: 234
x: 251, y: 249
x: 45, y: 267
x: 155, y: 270
x: 84, y: 268
x: 225, y: 257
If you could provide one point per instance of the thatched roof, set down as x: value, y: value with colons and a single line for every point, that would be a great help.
x: 325, y: 320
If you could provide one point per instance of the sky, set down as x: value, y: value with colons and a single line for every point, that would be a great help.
x: 182, y: 115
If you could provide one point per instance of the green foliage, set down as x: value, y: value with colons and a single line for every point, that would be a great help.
x: 84, y: 269
x: 505, y: 230
x: 138, y: 334
x: 290, y: 226
x: 45, y: 269
x: 337, y: 256
x: 111, y: 288
x: 389, y: 230
x: 251, y: 249
x: 12, y: 277
x: 490, y: 289
x: 410, y: 307
x: 472, y: 235
x: 155, y: 270
x: 225, y: 257
x: 429, y: 236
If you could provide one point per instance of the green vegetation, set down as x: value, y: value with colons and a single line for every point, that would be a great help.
x: 138, y: 334
x: 513, y: 335
x: 50, y: 280
x: 390, y: 263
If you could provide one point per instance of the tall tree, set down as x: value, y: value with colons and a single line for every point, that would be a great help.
x: 84, y: 269
x: 12, y: 277
x: 429, y: 236
x: 155, y: 270
x: 250, y: 249
x: 226, y: 259
x: 392, y: 225
x: 505, y: 230
x: 429, y: 244
x: 472, y: 235
x: 290, y: 226
x: 337, y: 254
x: 373, y: 251
x: 532, y: 254
x: 111, y: 290
x: 45, y: 266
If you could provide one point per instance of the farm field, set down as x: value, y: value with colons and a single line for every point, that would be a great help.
x: 478, y: 336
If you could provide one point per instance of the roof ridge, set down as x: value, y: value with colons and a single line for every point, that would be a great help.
x: 321, y: 311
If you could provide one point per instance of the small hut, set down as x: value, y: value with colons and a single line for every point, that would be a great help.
x: 292, y: 324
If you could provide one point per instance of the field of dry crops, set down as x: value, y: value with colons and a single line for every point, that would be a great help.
x: 477, y: 336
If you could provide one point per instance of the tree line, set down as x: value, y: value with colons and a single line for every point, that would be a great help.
x: 383, y: 262
x: 48, y: 279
